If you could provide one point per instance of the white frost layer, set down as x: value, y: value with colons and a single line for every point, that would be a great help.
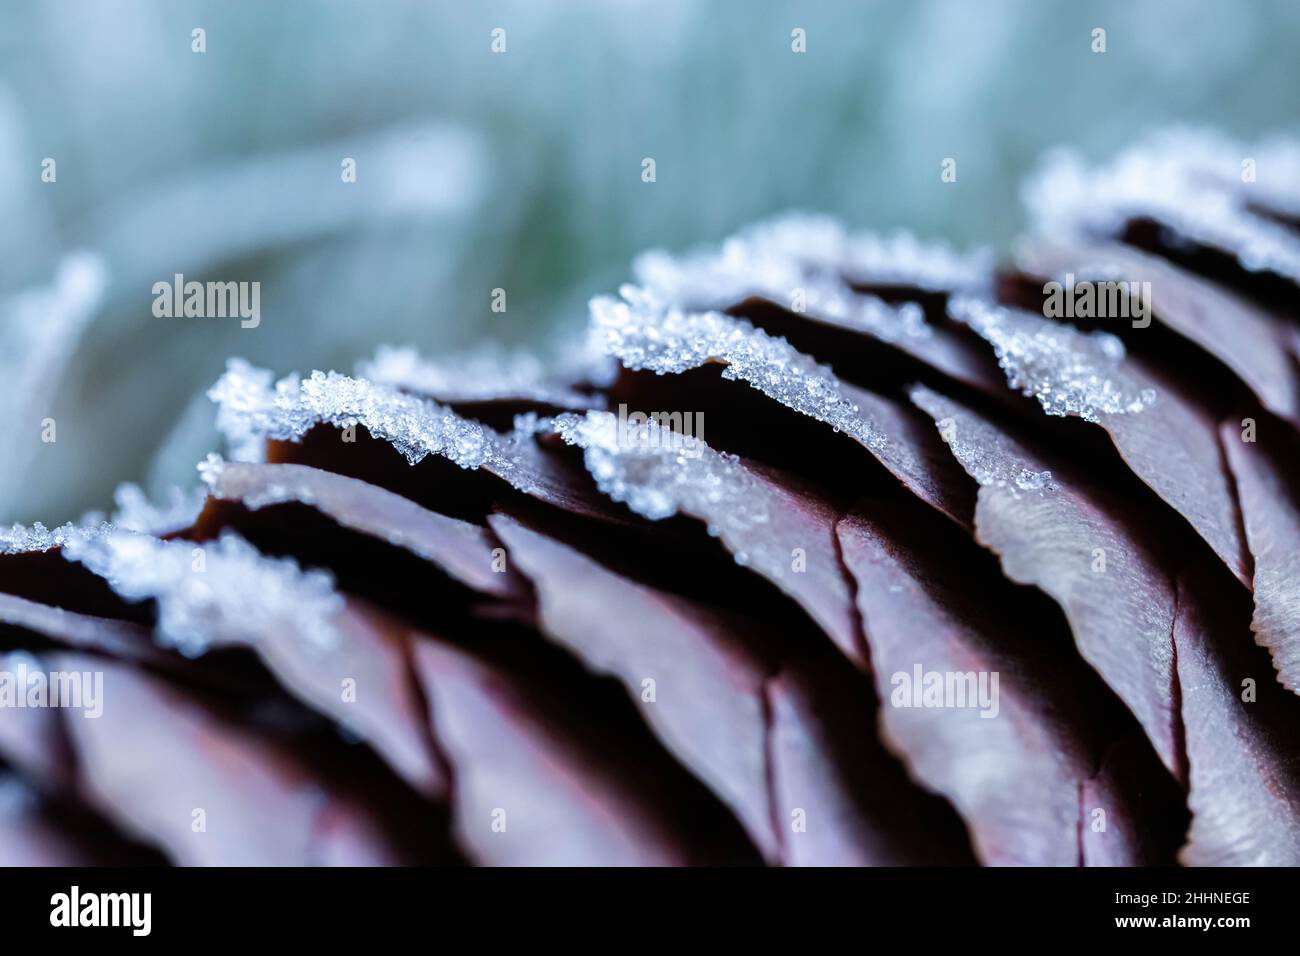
x: 985, y: 453
x: 896, y: 259
x: 214, y: 593
x: 644, y: 334
x: 1187, y: 180
x: 1068, y: 371
x: 252, y: 410
x: 23, y: 539
x: 484, y: 374
x: 990, y: 469
x: 719, y: 281
x: 814, y: 253
x: 644, y: 467
x: 136, y: 512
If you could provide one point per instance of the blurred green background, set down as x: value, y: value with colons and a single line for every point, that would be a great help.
x: 519, y: 170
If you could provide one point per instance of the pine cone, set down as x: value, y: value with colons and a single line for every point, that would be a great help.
x: 830, y: 550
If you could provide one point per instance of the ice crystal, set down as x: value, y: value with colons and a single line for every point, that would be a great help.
x: 1280, y: 189
x: 213, y: 472
x: 251, y: 411
x: 989, y: 469
x: 1069, y: 372
x: 215, y: 593
x: 985, y: 453
x: 658, y: 473
x: 769, y: 263
x: 816, y: 254
x: 481, y: 375
x: 210, y: 469
x: 644, y: 334
x: 896, y: 259
x: 22, y: 539
x: 1187, y: 181
x: 136, y: 512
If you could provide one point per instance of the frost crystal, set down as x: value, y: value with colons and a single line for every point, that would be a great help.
x: 1188, y: 181
x: 646, y: 467
x: 1280, y: 189
x: 816, y: 254
x: 251, y: 411
x: 643, y: 334
x: 219, y: 592
x: 212, y: 471
x: 291, y: 489
x: 985, y: 453
x: 771, y: 262
x: 22, y: 539
x: 135, y: 512
x: 1068, y: 371
x: 897, y: 259
x: 902, y: 259
x: 481, y: 375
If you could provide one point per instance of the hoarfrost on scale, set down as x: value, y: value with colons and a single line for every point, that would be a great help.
x: 646, y: 335
x: 899, y: 258
x: 219, y: 592
x: 137, y: 512
x: 212, y: 470
x: 251, y: 410
x: 482, y: 375
x: 23, y: 539
x: 987, y: 455
x: 1281, y: 187
x: 759, y: 515
x: 658, y: 473
x: 1204, y: 158
x: 800, y: 250
x: 801, y: 260
x: 737, y: 271
x: 1069, y: 372
x: 1175, y: 181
